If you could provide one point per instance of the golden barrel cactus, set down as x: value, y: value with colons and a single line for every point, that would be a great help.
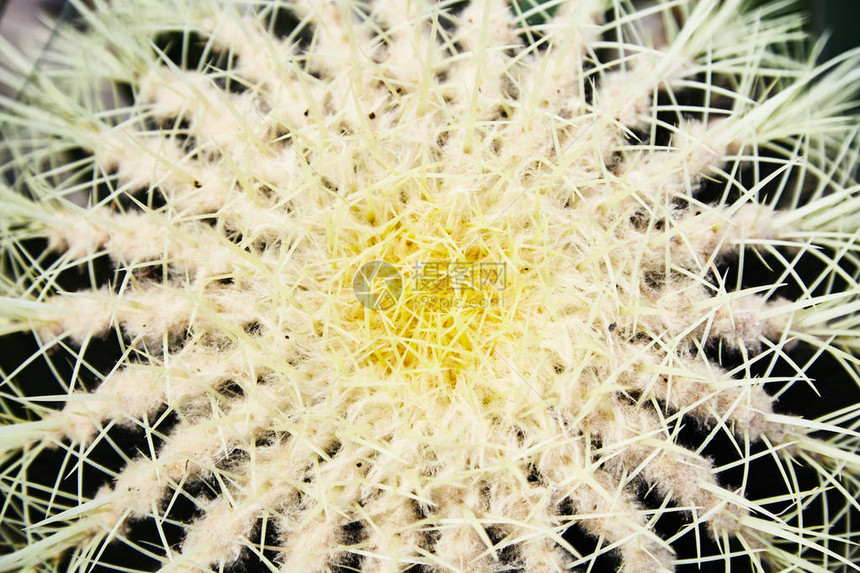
x: 418, y: 286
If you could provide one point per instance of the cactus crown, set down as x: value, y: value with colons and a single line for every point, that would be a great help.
x: 614, y: 238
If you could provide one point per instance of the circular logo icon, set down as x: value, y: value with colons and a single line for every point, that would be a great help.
x: 377, y: 285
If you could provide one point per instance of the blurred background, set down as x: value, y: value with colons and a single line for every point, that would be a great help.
x: 842, y: 18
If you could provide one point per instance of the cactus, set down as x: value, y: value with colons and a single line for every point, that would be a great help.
x: 617, y: 327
